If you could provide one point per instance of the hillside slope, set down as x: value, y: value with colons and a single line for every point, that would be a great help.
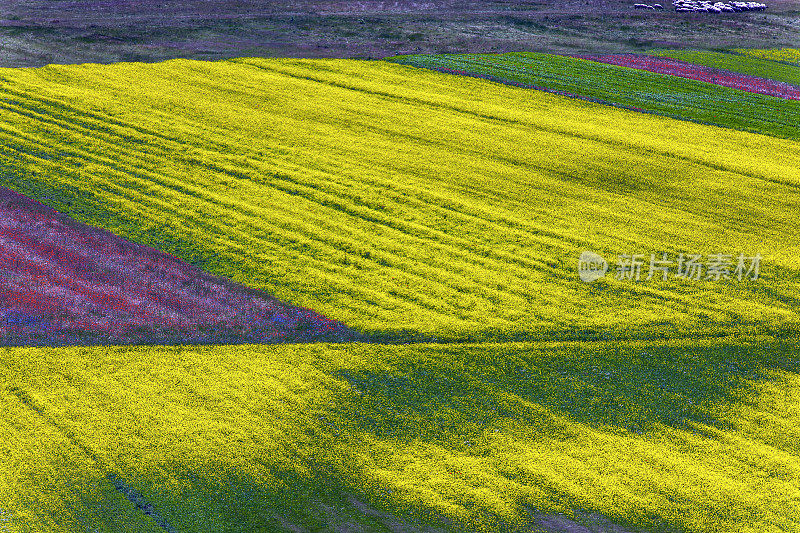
x: 63, y: 282
x: 412, y: 204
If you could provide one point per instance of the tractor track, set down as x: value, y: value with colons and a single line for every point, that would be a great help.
x: 135, y: 497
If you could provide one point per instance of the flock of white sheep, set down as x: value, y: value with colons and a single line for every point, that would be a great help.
x: 703, y: 6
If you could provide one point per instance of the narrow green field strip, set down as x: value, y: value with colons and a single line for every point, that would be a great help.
x: 48, y: 484
x: 669, y: 95
x: 693, y: 435
x: 412, y: 204
x: 744, y: 64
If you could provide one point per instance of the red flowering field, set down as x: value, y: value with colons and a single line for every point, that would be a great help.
x: 62, y: 282
x: 726, y: 78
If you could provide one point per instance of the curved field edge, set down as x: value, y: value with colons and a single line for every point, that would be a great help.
x: 410, y: 204
x: 690, y: 436
x: 626, y: 87
x: 737, y: 62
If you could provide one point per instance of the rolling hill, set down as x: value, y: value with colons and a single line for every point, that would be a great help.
x: 444, y: 216
x: 410, y: 204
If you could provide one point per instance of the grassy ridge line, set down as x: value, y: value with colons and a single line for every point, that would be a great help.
x: 663, y: 94
x: 659, y: 435
x: 737, y: 62
x: 405, y: 202
x: 47, y: 484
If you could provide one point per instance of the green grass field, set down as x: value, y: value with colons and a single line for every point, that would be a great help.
x: 412, y: 205
x: 742, y: 63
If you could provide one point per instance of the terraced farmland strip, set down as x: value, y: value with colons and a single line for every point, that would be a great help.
x: 407, y: 203
x: 694, y: 436
x: 744, y: 63
x: 672, y: 96
x: 784, y: 55
x: 685, y: 68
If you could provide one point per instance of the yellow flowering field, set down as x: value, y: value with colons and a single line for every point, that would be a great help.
x: 690, y: 435
x: 48, y: 483
x: 412, y: 204
x: 788, y: 55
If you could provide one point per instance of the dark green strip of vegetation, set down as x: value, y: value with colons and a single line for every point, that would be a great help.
x: 647, y: 91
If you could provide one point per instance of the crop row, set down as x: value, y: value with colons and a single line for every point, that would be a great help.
x: 664, y: 436
x: 683, y: 69
x: 639, y: 89
x: 738, y: 62
x: 407, y: 203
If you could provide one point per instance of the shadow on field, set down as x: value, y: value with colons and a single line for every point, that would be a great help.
x: 778, y: 285
x: 451, y: 396
x: 221, y: 499
x: 449, y: 392
x: 321, y: 471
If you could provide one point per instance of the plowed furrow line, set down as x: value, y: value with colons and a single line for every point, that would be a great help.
x: 626, y: 145
x: 200, y: 215
x: 131, y: 494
